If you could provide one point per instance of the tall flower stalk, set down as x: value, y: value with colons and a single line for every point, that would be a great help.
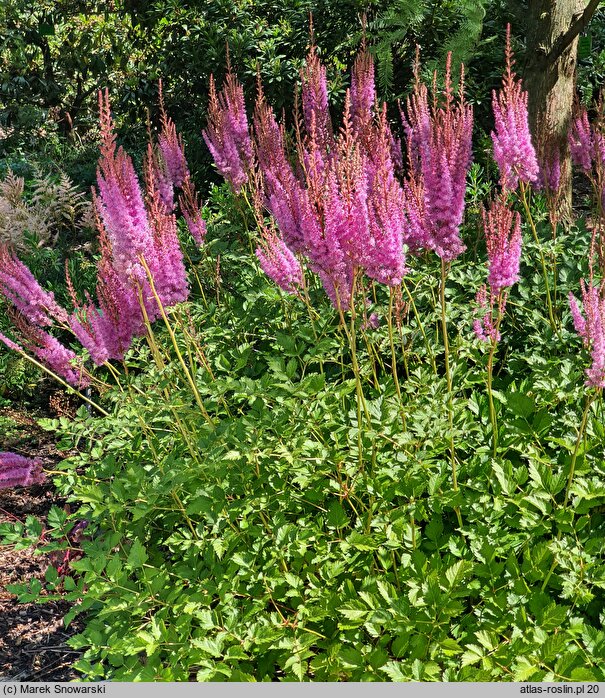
x: 515, y: 154
x: 439, y: 142
x: 502, y: 229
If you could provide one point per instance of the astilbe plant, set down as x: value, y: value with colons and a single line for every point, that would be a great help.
x: 170, y: 146
x: 227, y: 134
x: 33, y: 312
x: 140, y: 271
x: 133, y: 226
x: 316, y: 110
x: 587, y: 146
x: 583, y: 141
x: 439, y: 143
x: 276, y: 259
x: 590, y: 326
x: 340, y: 205
x: 19, y: 471
x: 513, y: 149
x: 515, y: 154
x: 502, y: 227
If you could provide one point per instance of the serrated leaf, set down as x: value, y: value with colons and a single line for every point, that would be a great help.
x: 137, y: 555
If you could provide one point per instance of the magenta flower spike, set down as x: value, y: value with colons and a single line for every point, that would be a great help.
x: 227, y: 134
x: 278, y: 262
x: 19, y: 471
x: 513, y: 149
x: 502, y: 229
x: 191, y: 209
x: 582, y: 141
x: 590, y: 326
x: 439, y: 138
x: 363, y: 91
x: 20, y: 288
x: 316, y: 109
x: 120, y: 201
x: 171, y: 147
x: 484, y: 327
x: 551, y: 172
x: 163, y: 181
x: 285, y: 197
x: 385, y: 257
x: 48, y: 350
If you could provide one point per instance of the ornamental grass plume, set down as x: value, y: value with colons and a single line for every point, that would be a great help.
x: 439, y: 142
x: 227, y: 134
x: 513, y: 149
x: 19, y: 471
x: 590, y: 326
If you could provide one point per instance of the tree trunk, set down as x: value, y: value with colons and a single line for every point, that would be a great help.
x: 550, y: 79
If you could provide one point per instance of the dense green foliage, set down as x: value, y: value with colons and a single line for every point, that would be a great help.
x: 257, y: 548
x: 286, y: 535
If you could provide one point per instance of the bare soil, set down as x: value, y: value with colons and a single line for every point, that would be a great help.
x: 33, y: 636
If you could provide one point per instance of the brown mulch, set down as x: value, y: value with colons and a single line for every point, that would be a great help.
x: 33, y: 636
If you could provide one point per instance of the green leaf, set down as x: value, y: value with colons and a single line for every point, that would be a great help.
x: 361, y: 541
x: 337, y: 517
x: 137, y: 556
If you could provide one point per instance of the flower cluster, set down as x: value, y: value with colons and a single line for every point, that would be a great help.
x: 582, y: 141
x: 340, y: 204
x: 513, y: 149
x: 227, y: 135
x: 140, y: 267
x: 24, y: 293
x: 19, y: 471
x: 485, y: 327
x: 33, y: 311
x: 591, y: 328
x: 138, y: 239
x: 502, y: 229
x: 439, y: 140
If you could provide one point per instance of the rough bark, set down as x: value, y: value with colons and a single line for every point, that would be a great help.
x: 550, y: 78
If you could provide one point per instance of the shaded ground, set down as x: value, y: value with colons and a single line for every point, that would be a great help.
x: 32, y: 636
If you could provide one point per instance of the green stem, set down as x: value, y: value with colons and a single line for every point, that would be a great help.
x: 532, y: 225
x: 448, y: 376
x: 421, y: 327
x: 351, y: 333
x: 394, y: 358
x: 490, y: 369
x: 62, y: 382
x: 574, y: 458
x: 188, y: 376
